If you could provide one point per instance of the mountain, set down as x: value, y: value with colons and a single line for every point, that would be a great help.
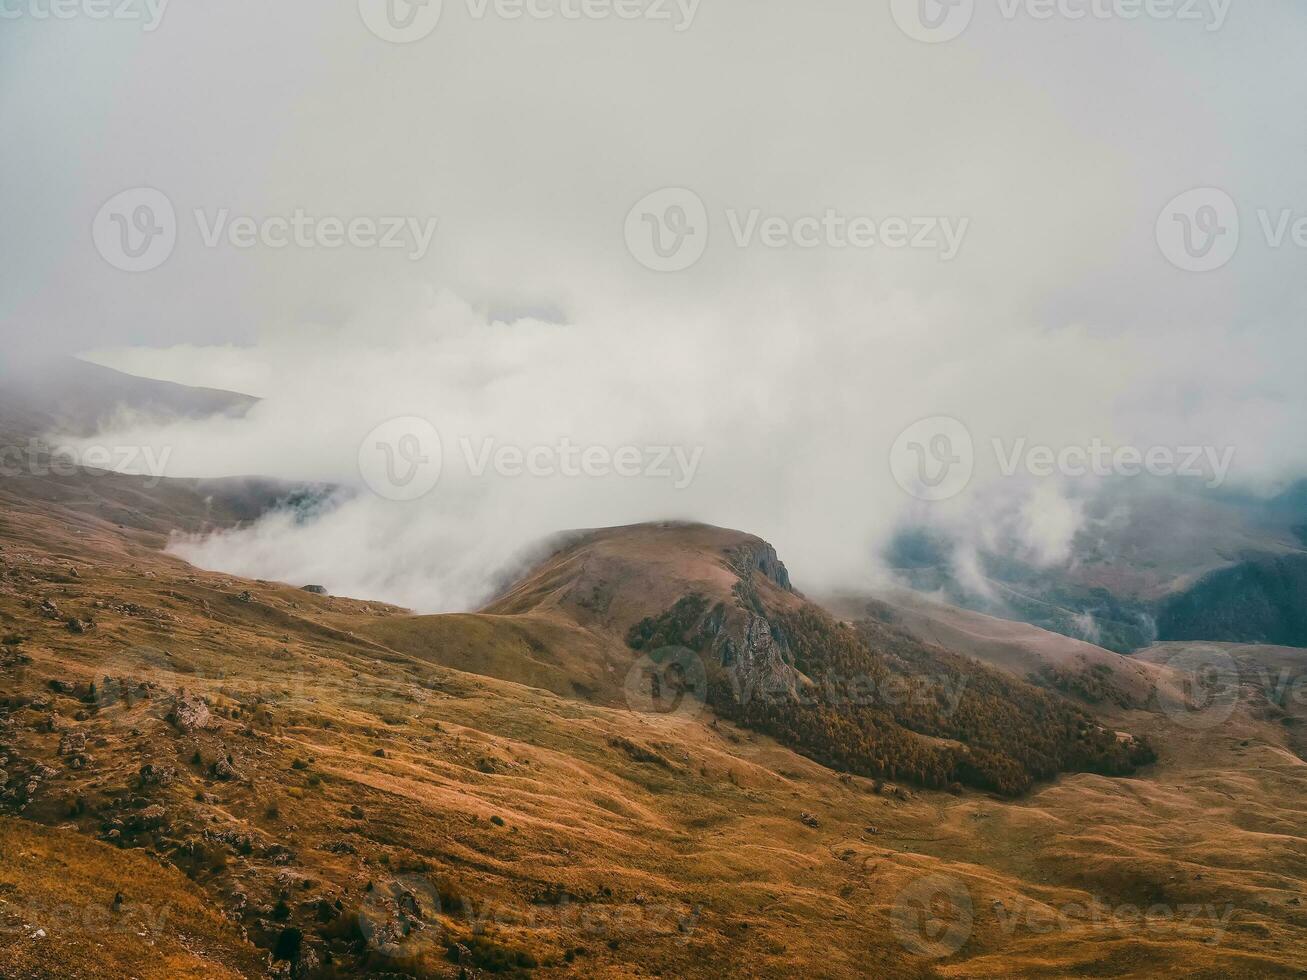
x: 1261, y: 600
x: 1139, y: 551
x: 1096, y: 677
x: 70, y: 398
x: 279, y: 783
x: 78, y: 398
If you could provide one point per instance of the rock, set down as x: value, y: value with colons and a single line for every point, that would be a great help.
x: 245, y: 597
x: 190, y: 713
x: 152, y: 775
x: 408, y: 903
x: 808, y: 820
x: 223, y: 770
x: 151, y: 818
x: 755, y: 660
x: 78, y: 626
x: 761, y: 557
x: 315, y: 589
x: 72, y: 743
x: 49, y: 609
x: 309, y: 962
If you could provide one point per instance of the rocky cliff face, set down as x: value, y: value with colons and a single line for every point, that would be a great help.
x: 753, y: 658
x: 761, y: 557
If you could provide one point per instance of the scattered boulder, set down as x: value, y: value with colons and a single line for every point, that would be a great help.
x: 151, y: 818
x: 223, y: 770
x: 808, y: 820
x: 152, y: 775
x: 72, y: 743
x: 190, y: 713
x: 315, y: 589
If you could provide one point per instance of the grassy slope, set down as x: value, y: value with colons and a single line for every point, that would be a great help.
x: 700, y: 867
x: 58, y: 920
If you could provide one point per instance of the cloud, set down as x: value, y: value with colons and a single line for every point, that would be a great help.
x: 529, y: 320
x: 790, y: 439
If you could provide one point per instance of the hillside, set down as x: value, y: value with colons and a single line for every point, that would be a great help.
x: 278, y: 782
x: 263, y: 743
x: 1139, y: 552
x: 1260, y: 600
x: 1089, y: 674
x: 77, y: 398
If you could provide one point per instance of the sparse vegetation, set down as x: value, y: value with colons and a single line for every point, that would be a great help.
x: 643, y: 843
x: 868, y: 706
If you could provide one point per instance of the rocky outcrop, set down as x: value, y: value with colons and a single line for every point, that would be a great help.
x: 760, y: 557
x: 750, y: 653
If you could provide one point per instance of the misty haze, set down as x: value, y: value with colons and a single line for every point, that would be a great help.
x: 629, y: 488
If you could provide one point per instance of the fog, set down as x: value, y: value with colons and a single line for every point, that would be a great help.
x: 783, y: 375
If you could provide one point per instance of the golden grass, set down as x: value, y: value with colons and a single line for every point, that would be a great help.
x: 541, y: 837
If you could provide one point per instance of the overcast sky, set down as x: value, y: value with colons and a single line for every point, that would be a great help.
x: 1040, y: 305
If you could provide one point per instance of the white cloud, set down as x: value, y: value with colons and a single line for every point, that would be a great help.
x: 1059, y: 320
